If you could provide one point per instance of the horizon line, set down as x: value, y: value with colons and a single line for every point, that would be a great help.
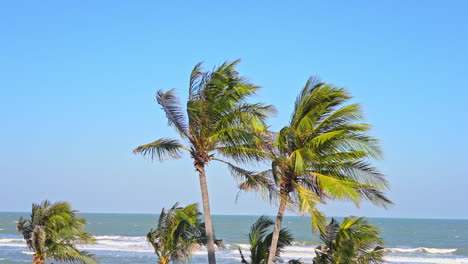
x: 383, y: 217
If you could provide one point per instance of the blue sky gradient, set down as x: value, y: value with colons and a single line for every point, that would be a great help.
x: 78, y: 81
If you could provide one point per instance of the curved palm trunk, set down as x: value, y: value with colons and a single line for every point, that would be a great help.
x: 206, y: 212
x: 37, y: 259
x: 276, y: 232
x: 163, y: 260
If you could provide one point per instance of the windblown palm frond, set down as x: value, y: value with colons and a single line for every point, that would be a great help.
x: 53, y: 231
x: 355, y: 241
x: 260, y: 236
x: 161, y: 149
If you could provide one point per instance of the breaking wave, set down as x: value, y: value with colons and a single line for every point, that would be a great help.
x: 304, y: 252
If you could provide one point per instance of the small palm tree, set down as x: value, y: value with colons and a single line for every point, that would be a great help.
x: 355, y: 241
x: 260, y: 241
x: 178, y: 234
x: 321, y: 154
x: 219, y: 120
x: 53, y: 231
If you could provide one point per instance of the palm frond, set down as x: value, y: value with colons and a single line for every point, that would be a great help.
x: 174, y: 113
x: 161, y: 148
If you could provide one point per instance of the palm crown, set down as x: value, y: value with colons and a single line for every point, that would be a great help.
x: 53, y: 231
x: 218, y: 118
x: 323, y: 153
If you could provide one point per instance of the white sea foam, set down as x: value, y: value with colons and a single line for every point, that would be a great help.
x: 423, y: 249
x: 7, y: 240
x: 399, y: 259
x: 230, y: 252
x: 27, y: 252
x: 107, y: 237
x: 12, y: 242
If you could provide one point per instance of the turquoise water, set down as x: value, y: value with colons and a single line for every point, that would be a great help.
x: 121, y: 239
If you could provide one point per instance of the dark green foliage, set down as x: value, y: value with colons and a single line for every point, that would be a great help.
x: 260, y: 236
x: 355, y: 241
x: 178, y: 233
x: 53, y: 231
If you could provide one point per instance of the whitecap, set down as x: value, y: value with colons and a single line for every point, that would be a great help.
x: 423, y: 249
x: 426, y: 260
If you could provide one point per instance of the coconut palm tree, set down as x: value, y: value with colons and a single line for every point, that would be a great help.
x: 179, y: 232
x: 355, y: 241
x: 53, y: 232
x: 323, y: 153
x: 218, y: 120
x: 260, y: 241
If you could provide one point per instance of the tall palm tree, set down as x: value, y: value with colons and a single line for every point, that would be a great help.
x: 53, y: 231
x: 260, y: 241
x: 179, y: 232
x: 355, y: 241
x: 219, y: 120
x: 323, y: 153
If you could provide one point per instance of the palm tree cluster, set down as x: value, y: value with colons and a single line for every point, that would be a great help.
x: 53, y: 231
x: 323, y: 153
x: 355, y: 241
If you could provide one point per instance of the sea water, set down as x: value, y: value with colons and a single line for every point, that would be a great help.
x: 120, y: 238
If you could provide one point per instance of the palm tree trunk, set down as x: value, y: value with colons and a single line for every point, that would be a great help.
x: 37, y: 259
x: 276, y: 232
x: 206, y: 212
x: 163, y: 260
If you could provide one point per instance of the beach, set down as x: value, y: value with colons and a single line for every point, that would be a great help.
x: 120, y: 239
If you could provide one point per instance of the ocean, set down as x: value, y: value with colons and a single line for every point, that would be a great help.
x: 121, y: 239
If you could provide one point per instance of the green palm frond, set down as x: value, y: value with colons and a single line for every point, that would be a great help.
x: 174, y: 113
x: 337, y: 188
x: 67, y: 253
x: 161, y: 148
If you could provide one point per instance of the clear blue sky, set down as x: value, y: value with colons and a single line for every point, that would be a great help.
x: 78, y: 80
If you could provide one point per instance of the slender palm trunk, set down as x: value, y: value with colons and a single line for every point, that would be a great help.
x: 276, y: 232
x: 206, y: 212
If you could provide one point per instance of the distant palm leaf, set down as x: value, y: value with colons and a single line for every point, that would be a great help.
x: 260, y: 236
x: 355, y: 241
x: 53, y: 231
x: 179, y: 232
